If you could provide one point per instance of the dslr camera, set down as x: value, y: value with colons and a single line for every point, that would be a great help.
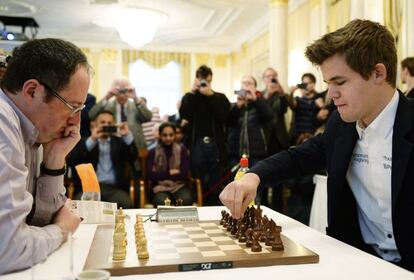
x: 110, y: 129
x: 302, y: 85
x: 123, y: 90
x: 274, y: 81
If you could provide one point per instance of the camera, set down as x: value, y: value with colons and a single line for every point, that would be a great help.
x: 302, y: 85
x: 241, y: 93
x: 110, y: 129
x: 203, y: 83
x: 123, y: 90
x: 274, y: 80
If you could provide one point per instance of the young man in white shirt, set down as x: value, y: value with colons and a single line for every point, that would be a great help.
x: 366, y: 148
x: 43, y: 92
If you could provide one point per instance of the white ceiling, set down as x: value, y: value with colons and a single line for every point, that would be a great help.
x: 192, y: 25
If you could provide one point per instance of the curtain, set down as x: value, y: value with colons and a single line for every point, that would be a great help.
x: 339, y: 14
x: 158, y: 60
x: 393, y: 14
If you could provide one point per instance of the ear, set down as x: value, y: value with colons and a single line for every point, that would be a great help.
x: 29, y: 89
x: 380, y: 73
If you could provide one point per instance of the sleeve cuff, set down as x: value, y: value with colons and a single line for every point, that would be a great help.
x: 90, y: 144
x: 128, y: 139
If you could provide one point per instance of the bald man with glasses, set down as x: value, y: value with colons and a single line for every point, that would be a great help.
x: 42, y: 94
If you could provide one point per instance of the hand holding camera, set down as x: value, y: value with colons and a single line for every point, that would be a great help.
x: 202, y: 86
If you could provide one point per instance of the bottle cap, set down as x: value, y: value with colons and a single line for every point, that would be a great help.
x: 244, y: 162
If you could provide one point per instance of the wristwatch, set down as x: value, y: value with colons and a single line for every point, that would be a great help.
x: 52, y: 172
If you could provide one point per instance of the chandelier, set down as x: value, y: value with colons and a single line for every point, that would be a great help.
x: 136, y: 26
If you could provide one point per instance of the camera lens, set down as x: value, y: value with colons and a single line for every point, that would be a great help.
x: 203, y: 83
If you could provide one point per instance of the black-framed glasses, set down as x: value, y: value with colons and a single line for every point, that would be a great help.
x: 74, y: 110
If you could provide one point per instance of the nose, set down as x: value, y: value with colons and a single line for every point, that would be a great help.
x: 75, y: 119
x: 333, y: 92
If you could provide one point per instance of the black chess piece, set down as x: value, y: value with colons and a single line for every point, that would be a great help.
x: 242, y: 237
x: 233, y: 227
x: 249, y: 236
x: 256, y: 247
x: 179, y: 202
x: 223, y: 215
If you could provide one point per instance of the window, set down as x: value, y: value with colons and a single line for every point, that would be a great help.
x: 161, y: 87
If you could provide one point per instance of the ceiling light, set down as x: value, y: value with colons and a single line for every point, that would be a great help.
x: 136, y: 26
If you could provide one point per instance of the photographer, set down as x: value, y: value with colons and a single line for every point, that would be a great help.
x: 126, y: 106
x: 204, y: 113
x: 306, y: 106
x: 247, y: 120
x: 109, y: 148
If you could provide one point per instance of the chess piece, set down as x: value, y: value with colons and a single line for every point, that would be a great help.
x: 119, y: 216
x: 249, y: 236
x: 256, y: 247
x: 179, y: 202
x: 242, y: 237
x: 223, y: 217
x: 233, y: 227
x: 142, y: 250
x: 120, y: 242
x: 167, y: 202
x: 277, y: 241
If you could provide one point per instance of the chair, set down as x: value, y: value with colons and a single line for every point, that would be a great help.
x: 142, y: 154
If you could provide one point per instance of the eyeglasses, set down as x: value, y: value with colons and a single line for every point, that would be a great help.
x: 74, y: 110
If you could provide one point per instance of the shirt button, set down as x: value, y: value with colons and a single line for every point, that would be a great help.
x: 389, y: 235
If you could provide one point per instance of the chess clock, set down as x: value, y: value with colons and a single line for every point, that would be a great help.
x: 168, y: 214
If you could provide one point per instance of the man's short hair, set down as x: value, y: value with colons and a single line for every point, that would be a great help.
x: 103, y: 112
x: 310, y: 77
x: 409, y: 64
x: 363, y: 44
x: 203, y: 72
x: 51, y: 61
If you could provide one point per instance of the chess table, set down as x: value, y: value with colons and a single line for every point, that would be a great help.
x: 337, y: 260
x: 188, y: 246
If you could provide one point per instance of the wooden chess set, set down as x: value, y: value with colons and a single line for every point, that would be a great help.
x: 141, y: 248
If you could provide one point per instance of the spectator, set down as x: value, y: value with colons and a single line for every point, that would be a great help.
x: 126, y: 107
x: 407, y: 75
x: 204, y: 114
x: 109, y: 153
x: 168, y: 167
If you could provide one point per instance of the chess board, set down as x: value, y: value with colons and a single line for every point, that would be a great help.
x: 188, y: 246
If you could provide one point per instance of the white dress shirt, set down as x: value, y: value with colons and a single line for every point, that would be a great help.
x: 21, y: 244
x: 369, y: 176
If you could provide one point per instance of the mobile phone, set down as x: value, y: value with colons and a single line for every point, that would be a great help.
x: 241, y: 93
x: 110, y: 129
x: 302, y: 85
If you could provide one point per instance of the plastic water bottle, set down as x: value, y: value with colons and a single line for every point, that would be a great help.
x: 244, y: 167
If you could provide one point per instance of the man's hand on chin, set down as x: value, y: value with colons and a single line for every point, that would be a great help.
x: 55, y: 151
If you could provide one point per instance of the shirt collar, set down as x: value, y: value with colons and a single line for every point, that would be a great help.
x: 384, y: 122
x: 29, y: 131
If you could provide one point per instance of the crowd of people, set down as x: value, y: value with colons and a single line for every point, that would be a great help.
x: 363, y: 127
